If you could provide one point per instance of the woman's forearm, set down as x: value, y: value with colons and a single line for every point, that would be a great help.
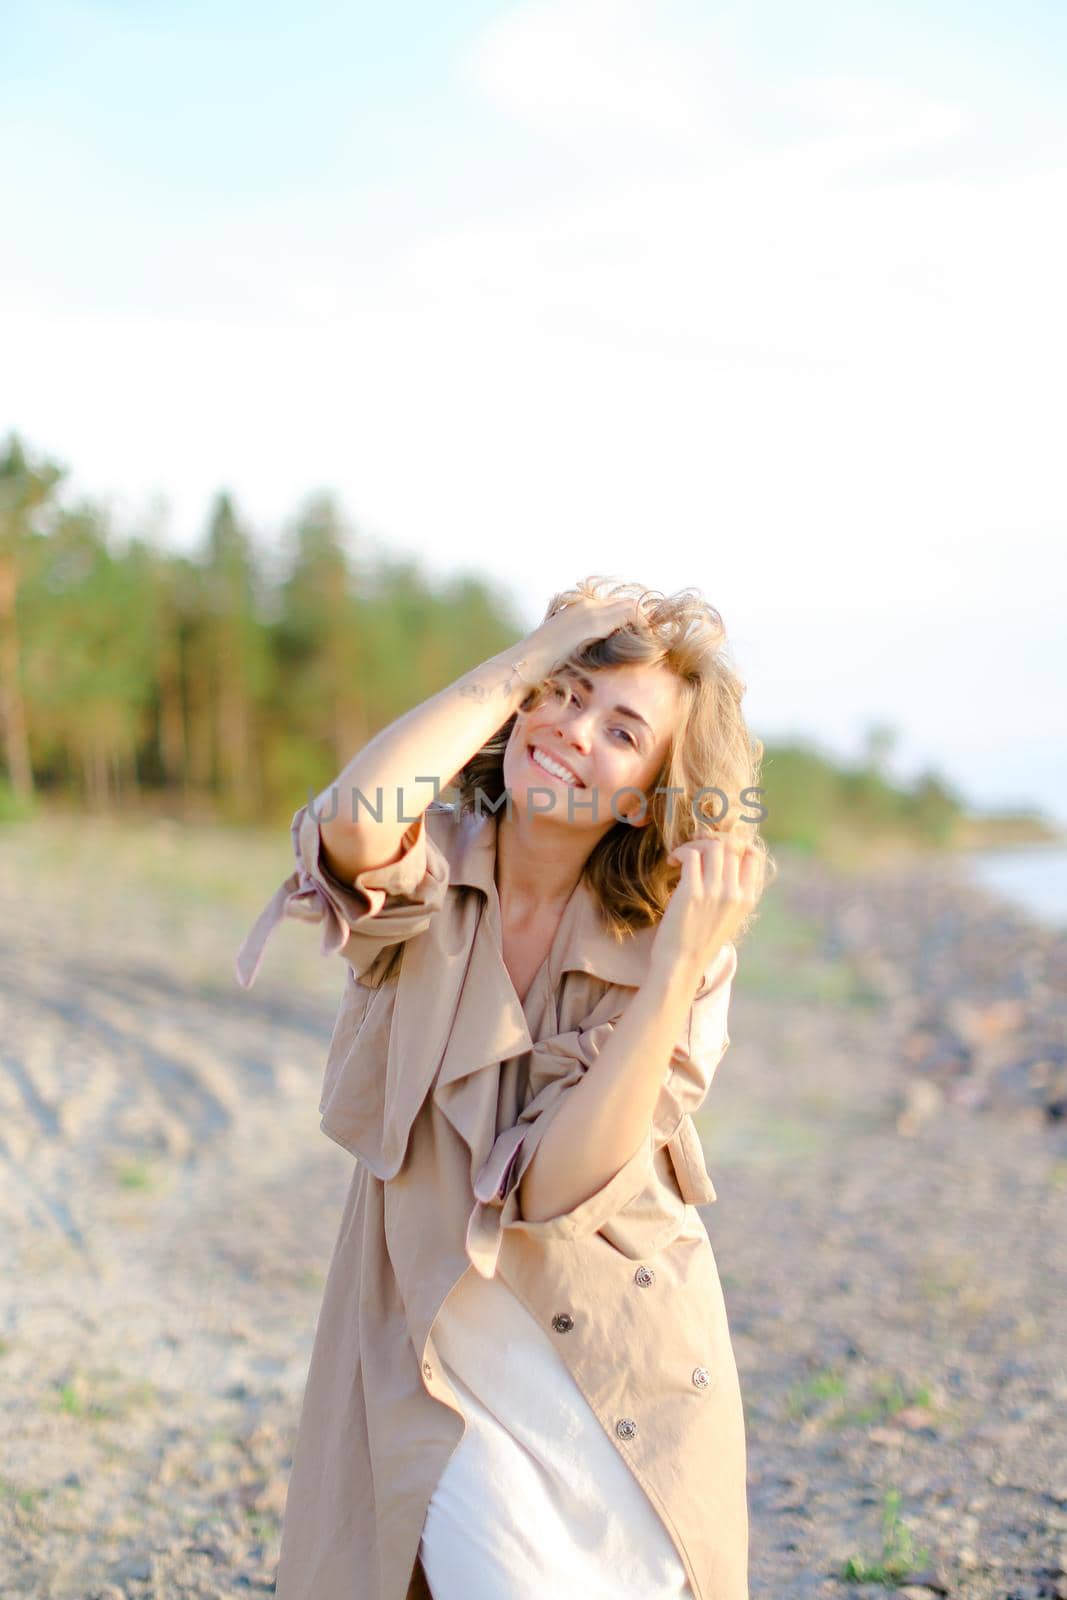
x: 605, y: 1117
x: 400, y: 770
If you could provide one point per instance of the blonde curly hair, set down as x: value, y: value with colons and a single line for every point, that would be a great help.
x: 629, y: 869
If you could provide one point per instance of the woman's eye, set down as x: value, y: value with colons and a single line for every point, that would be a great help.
x: 562, y: 692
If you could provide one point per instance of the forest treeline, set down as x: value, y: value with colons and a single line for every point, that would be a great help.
x: 228, y: 682
x: 219, y: 676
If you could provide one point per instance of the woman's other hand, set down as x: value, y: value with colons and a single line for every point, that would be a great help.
x: 720, y: 884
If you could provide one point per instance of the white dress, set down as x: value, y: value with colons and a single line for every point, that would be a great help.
x: 535, y: 1500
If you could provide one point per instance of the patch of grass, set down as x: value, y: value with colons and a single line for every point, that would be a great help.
x: 804, y: 979
x: 113, y: 1452
x: 791, y: 1136
x: 889, y: 1396
x: 899, y: 1555
x: 761, y: 1139
x: 74, y: 1399
x: 262, y: 1525
x: 959, y: 1278
x: 782, y: 959
x: 83, y: 1395
x: 16, y: 1494
x: 133, y: 1397
x: 859, y: 992
x: 185, y: 876
x: 806, y: 1396
x: 136, y: 1175
x: 13, y: 808
x: 935, y: 1285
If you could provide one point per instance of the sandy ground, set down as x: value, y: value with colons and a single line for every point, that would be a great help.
x: 889, y: 1228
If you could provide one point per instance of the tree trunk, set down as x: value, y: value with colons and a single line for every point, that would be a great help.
x: 234, y: 730
x: 172, y: 750
x: 12, y: 707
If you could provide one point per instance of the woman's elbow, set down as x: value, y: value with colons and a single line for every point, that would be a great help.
x: 532, y: 1205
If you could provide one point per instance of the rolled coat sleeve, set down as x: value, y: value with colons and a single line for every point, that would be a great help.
x: 557, y: 1065
x: 383, y: 906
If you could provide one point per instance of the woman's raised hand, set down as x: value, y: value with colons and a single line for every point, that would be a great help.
x: 574, y: 625
x: 721, y: 882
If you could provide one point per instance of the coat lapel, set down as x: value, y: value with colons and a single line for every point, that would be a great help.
x: 457, y: 1018
x: 489, y: 1024
x: 584, y: 943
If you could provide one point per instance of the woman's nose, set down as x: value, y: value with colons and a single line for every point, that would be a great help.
x: 576, y: 730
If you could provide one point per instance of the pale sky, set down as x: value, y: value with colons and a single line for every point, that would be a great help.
x: 765, y: 299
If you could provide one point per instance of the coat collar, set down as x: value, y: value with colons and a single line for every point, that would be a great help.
x: 584, y: 943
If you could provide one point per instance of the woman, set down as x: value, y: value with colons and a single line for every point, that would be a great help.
x: 522, y: 1374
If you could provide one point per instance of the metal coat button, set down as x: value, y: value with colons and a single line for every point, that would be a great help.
x: 701, y: 1377
x: 626, y: 1427
x: 427, y: 1369
x: 644, y: 1276
x: 563, y: 1322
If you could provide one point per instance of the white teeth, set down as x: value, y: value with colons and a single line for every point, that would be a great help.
x: 553, y: 767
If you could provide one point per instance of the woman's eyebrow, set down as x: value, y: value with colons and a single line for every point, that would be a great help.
x: 624, y: 711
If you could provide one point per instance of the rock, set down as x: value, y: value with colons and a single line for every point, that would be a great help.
x: 923, y: 1100
x: 916, y: 1419
x: 973, y: 1094
x: 977, y: 1024
x: 134, y: 1568
x: 927, y: 1582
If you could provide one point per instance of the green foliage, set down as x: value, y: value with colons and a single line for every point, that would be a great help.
x: 228, y: 678
x: 103, y: 1395
x: 899, y: 1555
x: 74, y: 1397
x: 888, y: 1396
x: 802, y: 796
x: 935, y: 809
x: 818, y: 807
x: 26, y: 1499
x: 233, y: 680
x: 13, y: 808
x: 806, y: 1396
x: 262, y: 1525
x: 135, y: 1175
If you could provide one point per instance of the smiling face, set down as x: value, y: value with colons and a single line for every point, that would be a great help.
x: 607, y: 730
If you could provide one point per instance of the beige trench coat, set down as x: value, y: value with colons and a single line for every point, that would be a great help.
x: 441, y: 1083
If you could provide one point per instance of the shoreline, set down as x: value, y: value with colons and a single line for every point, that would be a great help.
x: 968, y: 979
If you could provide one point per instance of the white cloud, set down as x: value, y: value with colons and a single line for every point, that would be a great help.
x: 584, y: 72
x: 575, y: 69
x: 864, y: 121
